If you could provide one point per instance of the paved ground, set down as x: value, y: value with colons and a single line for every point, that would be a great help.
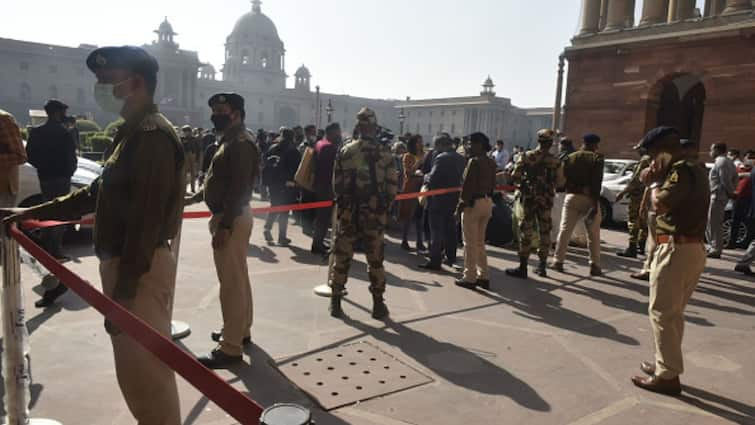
x: 545, y: 351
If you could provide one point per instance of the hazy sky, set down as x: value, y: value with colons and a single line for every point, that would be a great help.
x: 373, y: 48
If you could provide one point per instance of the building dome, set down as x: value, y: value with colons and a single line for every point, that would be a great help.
x: 303, y: 72
x: 255, y: 25
x: 166, y: 28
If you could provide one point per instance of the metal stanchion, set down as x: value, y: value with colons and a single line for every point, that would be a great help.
x: 286, y: 414
x: 15, y: 339
x: 178, y: 329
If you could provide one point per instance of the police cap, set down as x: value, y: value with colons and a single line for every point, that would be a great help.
x: 234, y: 100
x: 128, y: 58
x: 54, y: 105
x: 591, y: 139
x: 655, y: 135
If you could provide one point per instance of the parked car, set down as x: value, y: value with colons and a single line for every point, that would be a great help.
x: 617, y: 168
x: 613, y: 212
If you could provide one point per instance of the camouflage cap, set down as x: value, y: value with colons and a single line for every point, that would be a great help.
x: 545, y: 135
x: 367, y: 116
x: 186, y: 128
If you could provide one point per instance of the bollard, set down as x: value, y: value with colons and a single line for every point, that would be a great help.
x: 178, y: 329
x: 15, y: 339
x: 286, y: 414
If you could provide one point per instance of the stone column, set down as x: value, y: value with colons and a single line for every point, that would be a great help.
x: 654, y: 12
x: 629, y: 14
x: 590, y: 16
x: 714, y: 7
x: 737, y: 6
x: 680, y: 10
x: 617, y: 10
x: 559, y: 92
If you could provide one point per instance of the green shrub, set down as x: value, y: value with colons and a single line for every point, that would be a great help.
x: 87, y: 126
x: 24, y: 134
x: 100, y: 142
x: 111, y: 128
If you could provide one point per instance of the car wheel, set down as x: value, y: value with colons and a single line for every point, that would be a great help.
x: 606, y: 212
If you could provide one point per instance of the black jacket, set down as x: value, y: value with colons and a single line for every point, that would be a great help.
x: 51, y: 149
x: 281, y: 162
x: 447, y: 171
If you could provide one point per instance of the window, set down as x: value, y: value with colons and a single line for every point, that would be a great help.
x: 262, y: 101
x: 417, y: 129
x: 453, y: 128
x: 80, y: 96
x: 431, y: 114
x: 25, y: 91
x: 430, y: 128
x: 260, y: 118
x: 24, y: 66
x: 442, y: 113
x: 53, y: 69
x: 244, y: 57
x: 53, y: 92
x: 263, y: 61
x: 441, y: 127
x: 453, y: 113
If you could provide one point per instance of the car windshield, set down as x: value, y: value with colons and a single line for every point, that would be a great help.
x: 610, y: 167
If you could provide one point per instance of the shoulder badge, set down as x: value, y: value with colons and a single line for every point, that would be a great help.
x: 674, y: 177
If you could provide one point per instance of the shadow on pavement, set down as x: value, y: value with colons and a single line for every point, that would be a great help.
x: 453, y: 363
x: 740, y: 413
x: 262, y: 253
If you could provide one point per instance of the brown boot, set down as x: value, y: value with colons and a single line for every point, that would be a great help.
x: 655, y: 384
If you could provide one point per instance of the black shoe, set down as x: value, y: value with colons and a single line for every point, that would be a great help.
x: 217, y: 359
x: 450, y: 263
x: 49, y: 297
x: 595, y: 271
x: 641, y: 247
x: 630, y: 252
x: 559, y: 267
x: 217, y: 335
x: 421, y: 247
x: 521, y: 271
x: 268, y: 236
x: 483, y: 283
x: 712, y: 254
x: 319, y: 250
x: 430, y: 266
x: 464, y: 284
x: 335, y: 306
x: 284, y: 241
x: 405, y: 246
x: 744, y: 269
x: 541, y: 269
x: 379, y: 309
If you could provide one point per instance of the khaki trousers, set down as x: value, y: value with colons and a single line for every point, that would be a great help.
x: 576, y: 208
x: 675, y: 272
x: 235, y: 287
x: 147, y: 384
x: 651, y: 245
x: 474, y: 221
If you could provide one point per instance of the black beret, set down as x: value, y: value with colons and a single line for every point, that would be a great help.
x: 482, y: 139
x: 591, y: 139
x: 129, y: 58
x: 55, y: 105
x: 654, y: 135
x: 234, y: 100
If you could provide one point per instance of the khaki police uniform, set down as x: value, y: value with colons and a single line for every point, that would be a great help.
x: 678, y: 261
x: 477, y: 207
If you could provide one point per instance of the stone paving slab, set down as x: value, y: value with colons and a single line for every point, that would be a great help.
x: 558, y: 350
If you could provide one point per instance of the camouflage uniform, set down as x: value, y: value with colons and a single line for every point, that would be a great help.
x: 637, y: 224
x: 364, y: 184
x: 535, y: 174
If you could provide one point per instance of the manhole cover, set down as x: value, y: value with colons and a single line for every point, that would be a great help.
x: 345, y: 375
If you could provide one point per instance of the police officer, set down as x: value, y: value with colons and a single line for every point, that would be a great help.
x: 51, y: 149
x: 364, y: 185
x: 584, y: 180
x: 680, y: 195
x: 637, y: 222
x: 138, y: 203
x: 535, y: 175
x: 192, y: 150
x: 227, y: 193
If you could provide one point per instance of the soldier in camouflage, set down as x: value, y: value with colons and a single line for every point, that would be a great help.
x: 535, y: 175
x: 365, y: 183
x: 636, y: 222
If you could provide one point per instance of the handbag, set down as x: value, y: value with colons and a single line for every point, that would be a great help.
x: 305, y: 174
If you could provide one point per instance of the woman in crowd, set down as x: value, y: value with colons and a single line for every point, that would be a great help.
x: 410, y: 210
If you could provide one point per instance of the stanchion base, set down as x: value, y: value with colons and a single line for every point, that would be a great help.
x: 179, y: 330
x: 37, y: 421
x: 324, y: 291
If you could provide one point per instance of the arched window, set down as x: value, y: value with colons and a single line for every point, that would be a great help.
x: 53, y: 91
x: 264, y: 60
x: 25, y: 92
x: 244, y: 57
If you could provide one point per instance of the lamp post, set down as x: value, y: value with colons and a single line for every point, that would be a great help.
x: 329, y: 111
x: 401, y: 120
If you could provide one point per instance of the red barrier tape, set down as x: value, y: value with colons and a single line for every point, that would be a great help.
x: 36, y: 224
x: 236, y: 404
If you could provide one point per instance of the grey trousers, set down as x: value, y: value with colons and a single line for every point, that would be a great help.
x: 715, y: 229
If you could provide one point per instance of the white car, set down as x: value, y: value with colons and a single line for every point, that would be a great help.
x: 29, y: 192
x: 617, y: 168
x: 612, y: 211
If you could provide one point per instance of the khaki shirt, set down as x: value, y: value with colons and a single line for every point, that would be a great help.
x: 479, y: 179
x: 584, y: 173
x: 230, y: 179
x: 138, y: 200
x: 686, y: 194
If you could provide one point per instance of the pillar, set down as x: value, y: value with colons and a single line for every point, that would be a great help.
x: 737, y: 6
x: 714, y: 7
x: 559, y: 92
x: 680, y: 10
x: 629, y: 14
x: 603, y: 15
x: 654, y: 12
x: 590, y: 16
x: 617, y: 10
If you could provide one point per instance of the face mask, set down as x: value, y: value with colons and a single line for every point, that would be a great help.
x: 103, y: 95
x: 221, y: 122
x: 663, y: 159
x: 749, y: 162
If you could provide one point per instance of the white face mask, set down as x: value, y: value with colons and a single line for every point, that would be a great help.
x: 664, y: 160
x: 103, y: 95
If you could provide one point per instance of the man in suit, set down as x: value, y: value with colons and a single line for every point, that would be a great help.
x: 446, y: 172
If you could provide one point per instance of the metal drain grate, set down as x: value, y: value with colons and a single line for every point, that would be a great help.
x: 354, y: 372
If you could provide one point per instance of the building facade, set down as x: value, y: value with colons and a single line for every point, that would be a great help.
x: 679, y: 66
x: 460, y: 116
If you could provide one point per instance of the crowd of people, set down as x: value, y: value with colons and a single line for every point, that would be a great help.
x: 153, y: 171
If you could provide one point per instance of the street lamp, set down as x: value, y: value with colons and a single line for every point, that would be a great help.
x: 329, y: 111
x: 401, y: 119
